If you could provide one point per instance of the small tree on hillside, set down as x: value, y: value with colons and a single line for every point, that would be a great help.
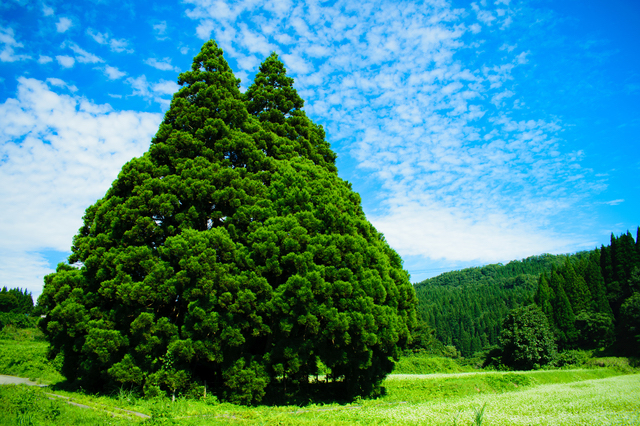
x: 526, y: 340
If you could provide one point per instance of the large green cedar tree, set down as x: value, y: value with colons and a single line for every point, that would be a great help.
x: 232, y: 253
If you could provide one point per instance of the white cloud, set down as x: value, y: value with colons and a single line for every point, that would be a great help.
x: 163, y: 65
x: 56, y: 82
x: 65, y: 61
x: 160, y: 29
x: 438, y: 232
x: 255, y: 42
x: 632, y: 88
x: 116, y: 45
x: 63, y: 24
x: 435, y: 137
x: 522, y: 58
x: 101, y: 38
x: 61, y: 154
x: 9, y: 43
x: 82, y: 55
x: 498, y: 98
x: 508, y: 47
x: 47, y: 10
x: 166, y: 87
x: 296, y: 64
x: 24, y: 270
x: 142, y: 87
x: 120, y: 45
x: 614, y: 202
x: 204, y: 29
x: 44, y: 59
x: 113, y: 73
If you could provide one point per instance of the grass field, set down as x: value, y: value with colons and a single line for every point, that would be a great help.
x: 608, y: 395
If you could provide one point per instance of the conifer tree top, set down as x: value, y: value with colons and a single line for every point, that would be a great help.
x: 273, y: 89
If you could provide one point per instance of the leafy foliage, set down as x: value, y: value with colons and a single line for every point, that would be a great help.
x: 526, y: 340
x: 231, y: 253
x: 630, y: 322
x: 15, y: 301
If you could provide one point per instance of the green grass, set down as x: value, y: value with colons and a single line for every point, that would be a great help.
x: 28, y: 405
x: 595, y: 396
x: 23, y: 354
x: 603, y: 394
x: 614, y: 400
x: 427, y: 365
x: 417, y: 388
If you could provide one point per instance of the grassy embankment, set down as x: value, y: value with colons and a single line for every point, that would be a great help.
x: 598, y: 395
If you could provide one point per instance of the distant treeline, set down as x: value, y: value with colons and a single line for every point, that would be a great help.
x: 588, y: 298
x: 594, y: 302
x: 16, y: 306
x: 466, y: 308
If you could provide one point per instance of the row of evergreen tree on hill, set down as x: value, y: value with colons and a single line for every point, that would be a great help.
x: 16, y: 301
x: 594, y: 301
x: 465, y: 308
x: 16, y: 307
x: 591, y: 298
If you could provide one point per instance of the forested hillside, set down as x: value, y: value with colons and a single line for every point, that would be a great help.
x: 595, y: 301
x: 15, y: 307
x: 466, y: 307
x: 592, y: 299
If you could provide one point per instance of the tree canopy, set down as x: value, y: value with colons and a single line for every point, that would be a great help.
x: 15, y: 301
x: 526, y: 340
x: 232, y: 253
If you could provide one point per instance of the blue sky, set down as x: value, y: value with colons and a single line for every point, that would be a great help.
x: 475, y: 132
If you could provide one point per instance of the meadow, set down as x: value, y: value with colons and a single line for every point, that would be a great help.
x: 605, y: 393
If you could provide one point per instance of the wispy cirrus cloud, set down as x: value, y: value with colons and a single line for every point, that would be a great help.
x: 162, y: 64
x: 9, y: 45
x: 82, y: 55
x: 613, y: 202
x: 116, y: 45
x: 160, y: 30
x: 406, y: 93
x: 61, y: 152
x: 153, y: 91
x: 166, y: 87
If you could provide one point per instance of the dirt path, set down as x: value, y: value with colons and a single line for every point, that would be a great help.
x: 113, y: 411
x: 13, y: 380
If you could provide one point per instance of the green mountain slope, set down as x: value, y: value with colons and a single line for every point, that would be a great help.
x: 591, y: 298
x: 466, y: 307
